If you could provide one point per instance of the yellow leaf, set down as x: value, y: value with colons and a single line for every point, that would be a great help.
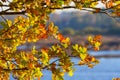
x: 9, y: 22
x: 83, y: 56
x: 62, y: 73
x: 117, y: 2
x: 45, y: 57
x: 66, y: 40
x: 70, y: 73
x: 97, y: 44
x: 53, y: 76
x: 24, y: 56
x: 94, y: 4
x: 34, y: 51
x: 83, y: 50
x: 90, y: 38
x: 11, y: 66
x: 38, y: 72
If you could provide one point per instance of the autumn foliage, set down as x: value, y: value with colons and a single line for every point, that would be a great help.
x: 31, y: 26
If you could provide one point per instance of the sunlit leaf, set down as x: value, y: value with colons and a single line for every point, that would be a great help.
x: 94, y: 4
x: 30, y: 26
x: 61, y: 37
x: 90, y: 38
x: 81, y: 62
x: 45, y: 58
x: 38, y: 72
x: 75, y: 47
x: 70, y: 73
x: 83, y: 56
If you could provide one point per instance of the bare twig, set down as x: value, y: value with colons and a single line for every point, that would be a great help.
x: 3, y: 18
x: 50, y: 64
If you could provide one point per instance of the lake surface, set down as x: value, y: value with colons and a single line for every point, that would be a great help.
x: 107, y: 69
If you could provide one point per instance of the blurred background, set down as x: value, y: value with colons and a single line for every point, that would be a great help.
x: 78, y: 25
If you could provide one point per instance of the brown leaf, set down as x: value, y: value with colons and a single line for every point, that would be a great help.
x: 81, y: 63
x: 3, y: 0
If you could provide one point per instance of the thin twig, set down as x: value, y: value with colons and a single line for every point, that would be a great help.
x: 50, y: 64
x: 3, y: 18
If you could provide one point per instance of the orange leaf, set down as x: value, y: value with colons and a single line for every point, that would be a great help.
x: 44, y: 50
x: 61, y: 37
x: 31, y: 56
x: 109, y: 4
x: 34, y: 11
x: 96, y: 48
x: 97, y: 10
x: 31, y: 65
x: 90, y: 65
x: 81, y: 63
x: 44, y: 36
x: 42, y: 26
x: 47, y: 2
x: 117, y: 13
x: 38, y: 78
x: 98, y: 37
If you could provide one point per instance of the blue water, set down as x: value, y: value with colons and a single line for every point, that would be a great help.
x: 105, y: 52
x: 107, y: 69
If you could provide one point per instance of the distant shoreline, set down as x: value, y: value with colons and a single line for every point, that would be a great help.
x: 108, y: 42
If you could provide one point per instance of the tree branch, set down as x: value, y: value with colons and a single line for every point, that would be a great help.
x: 16, y: 69
x: 65, y: 7
x: 12, y: 13
x: 50, y: 64
x: 3, y: 18
x: 4, y: 5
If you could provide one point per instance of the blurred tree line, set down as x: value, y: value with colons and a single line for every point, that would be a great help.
x: 82, y: 23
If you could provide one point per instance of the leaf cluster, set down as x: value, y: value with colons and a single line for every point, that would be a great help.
x: 33, y: 27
